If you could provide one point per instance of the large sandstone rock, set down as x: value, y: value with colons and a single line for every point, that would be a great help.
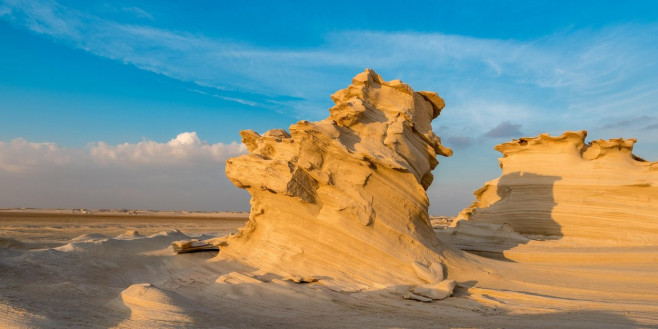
x: 343, y: 199
x: 562, y: 188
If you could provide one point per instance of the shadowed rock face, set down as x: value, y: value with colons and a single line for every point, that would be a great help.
x: 562, y: 188
x: 344, y: 198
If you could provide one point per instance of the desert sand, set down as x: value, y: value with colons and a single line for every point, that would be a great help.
x: 339, y: 236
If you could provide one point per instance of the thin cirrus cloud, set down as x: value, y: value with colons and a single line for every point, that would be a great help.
x: 589, y: 70
x: 138, y: 12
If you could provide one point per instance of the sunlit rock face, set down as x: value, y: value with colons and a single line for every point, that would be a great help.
x: 562, y: 188
x: 343, y: 199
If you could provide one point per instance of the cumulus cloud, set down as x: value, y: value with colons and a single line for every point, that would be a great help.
x: 504, y: 129
x: 20, y: 156
x: 184, y: 150
x: 184, y: 173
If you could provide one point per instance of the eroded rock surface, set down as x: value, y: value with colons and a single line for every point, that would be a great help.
x: 343, y: 199
x: 562, y: 188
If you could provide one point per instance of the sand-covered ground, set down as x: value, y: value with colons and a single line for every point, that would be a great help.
x: 99, y: 269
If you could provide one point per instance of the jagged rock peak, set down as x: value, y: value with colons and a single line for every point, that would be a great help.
x: 574, y: 140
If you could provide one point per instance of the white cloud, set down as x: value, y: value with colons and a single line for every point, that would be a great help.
x: 139, y: 12
x: 594, y: 62
x: 184, y: 150
x: 184, y: 173
x: 567, y: 77
x: 21, y: 156
x: 237, y: 100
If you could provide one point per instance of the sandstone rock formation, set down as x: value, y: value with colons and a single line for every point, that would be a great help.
x: 562, y: 188
x: 343, y: 199
x: 193, y: 245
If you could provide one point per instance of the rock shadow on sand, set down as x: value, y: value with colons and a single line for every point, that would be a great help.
x: 510, y: 211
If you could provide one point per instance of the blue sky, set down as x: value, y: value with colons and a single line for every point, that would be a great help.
x: 137, y: 104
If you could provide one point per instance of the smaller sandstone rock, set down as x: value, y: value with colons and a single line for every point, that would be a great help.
x: 429, y: 274
x: 192, y: 245
x: 412, y: 296
x: 562, y: 187
x: 435, y: 291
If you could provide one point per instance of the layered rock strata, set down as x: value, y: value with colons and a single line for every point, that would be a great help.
x: 562, y: 188
x: 343, y: 199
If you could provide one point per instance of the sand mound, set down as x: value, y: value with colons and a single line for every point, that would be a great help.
x: 89, y: 237
x: 344, y: 198
x: 562, y: 188
x: 156, y: 306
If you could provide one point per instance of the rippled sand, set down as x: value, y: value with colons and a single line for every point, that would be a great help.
x: 60, y: 269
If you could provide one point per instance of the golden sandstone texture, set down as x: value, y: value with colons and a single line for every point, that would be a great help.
x: 343, y: 199
x: 561, y: 188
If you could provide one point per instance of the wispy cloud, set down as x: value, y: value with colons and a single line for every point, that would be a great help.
x: 651, y: 127
x: 459, y: 142
x: 632, y: 121
x: 237, y: 100
x: 504, y: 129
x: 138, y: 12
x: 583, y: 71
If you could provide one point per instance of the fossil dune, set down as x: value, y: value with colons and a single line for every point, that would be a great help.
x: 344, y: 198
x: 561, y: 188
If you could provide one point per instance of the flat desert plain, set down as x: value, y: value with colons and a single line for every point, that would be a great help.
x: 100, y: 269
